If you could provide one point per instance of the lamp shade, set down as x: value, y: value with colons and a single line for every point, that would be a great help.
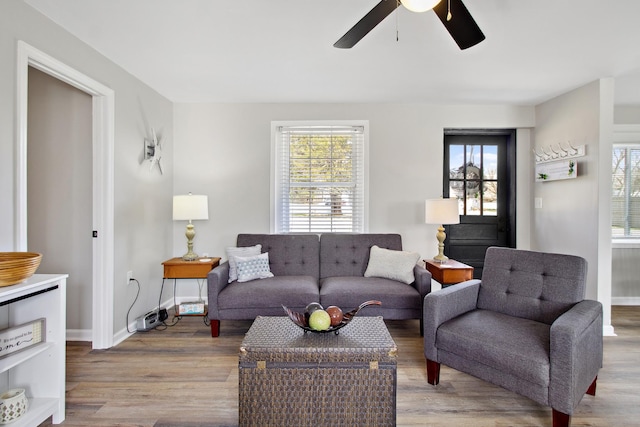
x: 441, y: 211
x: 190, y: 207
x: 419, y: 5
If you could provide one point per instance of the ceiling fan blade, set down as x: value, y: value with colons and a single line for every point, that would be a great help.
x: 462, y: 27
x: 366, y: 24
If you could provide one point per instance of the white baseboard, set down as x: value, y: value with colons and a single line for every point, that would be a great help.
x: 607, y: 331
x: 79, y: 335
x: 625, y: 300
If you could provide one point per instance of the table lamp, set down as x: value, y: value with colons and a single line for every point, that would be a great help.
x: 190, y: 207
x: 441, y: 212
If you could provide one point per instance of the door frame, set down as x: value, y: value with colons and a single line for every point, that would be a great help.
x: 103, y: 141
x: 510, y: 158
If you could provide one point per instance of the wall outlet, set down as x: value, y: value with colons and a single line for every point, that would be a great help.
x: 129, y: 276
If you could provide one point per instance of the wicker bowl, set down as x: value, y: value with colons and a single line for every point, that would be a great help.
x: 16, y: 267
x: 300, y: 320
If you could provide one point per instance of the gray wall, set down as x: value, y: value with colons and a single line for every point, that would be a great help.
x: 575, y: 217
x: 142, y: 199
x: 225, y: 151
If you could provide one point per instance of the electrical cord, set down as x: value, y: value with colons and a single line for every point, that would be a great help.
x: 175, y: 319
x: 134, y: 301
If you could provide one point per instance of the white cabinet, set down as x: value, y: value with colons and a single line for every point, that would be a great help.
x: 39, y: 369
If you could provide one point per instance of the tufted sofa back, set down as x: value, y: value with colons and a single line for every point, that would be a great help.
x: 348, y: 254
x: 289, y: 254
x: 531, y: 285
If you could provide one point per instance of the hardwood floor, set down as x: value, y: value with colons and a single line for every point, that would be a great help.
x: 183, y: 377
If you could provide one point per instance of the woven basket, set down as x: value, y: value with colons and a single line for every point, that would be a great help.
x: 16, y: 267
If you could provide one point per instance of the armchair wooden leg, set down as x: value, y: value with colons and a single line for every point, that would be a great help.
x: 433, y: 372
x: 592, y: 388
x: 215, y: 328
x: 560, y: 419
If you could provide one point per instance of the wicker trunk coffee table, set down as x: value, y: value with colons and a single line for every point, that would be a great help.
x: 291, y: 378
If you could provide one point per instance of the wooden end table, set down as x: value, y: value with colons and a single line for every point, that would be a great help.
x: 177, y: 268
x: 450, y: 272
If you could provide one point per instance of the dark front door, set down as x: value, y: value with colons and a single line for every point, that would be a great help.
x: 479, y: 170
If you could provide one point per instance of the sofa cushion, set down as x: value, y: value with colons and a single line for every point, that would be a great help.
x: 232, y: 252
x: 348, y: 254
x: 515, y: 346
x: 254, y: 267
x: 291, y: 291
x: 349, y: 292
x: 389, y: 264
x: 289, y: 254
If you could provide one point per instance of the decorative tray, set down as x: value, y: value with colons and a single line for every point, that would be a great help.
x: 300, y: 320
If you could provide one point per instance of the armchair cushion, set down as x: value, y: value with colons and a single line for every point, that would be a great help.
x: 499, y: 341
x: 535, y: 285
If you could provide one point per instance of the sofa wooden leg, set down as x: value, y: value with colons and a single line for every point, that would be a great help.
x: 421, y: 327
x: 592, y: 388
x: 433, y: 372
x: 215, y: 327
x: 560, y: 419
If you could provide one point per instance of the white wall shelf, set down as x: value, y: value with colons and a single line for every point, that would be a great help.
x: 39, y: 369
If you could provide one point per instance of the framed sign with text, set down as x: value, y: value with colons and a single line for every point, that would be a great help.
x: 21, y: 337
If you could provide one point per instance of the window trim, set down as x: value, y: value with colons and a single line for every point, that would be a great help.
x: 276, y: 155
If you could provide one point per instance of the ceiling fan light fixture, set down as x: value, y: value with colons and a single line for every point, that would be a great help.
x: 419, y: 5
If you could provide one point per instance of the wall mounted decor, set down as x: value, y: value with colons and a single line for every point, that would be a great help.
x: 542, y: 155
x: 153, y: 150
x: 559, y: 169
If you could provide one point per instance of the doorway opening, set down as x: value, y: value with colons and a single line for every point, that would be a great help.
x: 102, y: 131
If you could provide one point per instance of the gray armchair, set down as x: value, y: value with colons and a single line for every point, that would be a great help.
x: 525, y: 327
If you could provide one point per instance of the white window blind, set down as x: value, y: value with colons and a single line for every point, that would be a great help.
x: 625, y: 205
x: 319, y: 174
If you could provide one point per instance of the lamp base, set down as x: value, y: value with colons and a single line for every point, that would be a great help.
x: 190, y: 233
x: 440, y: 259
x: 441, y: 236
x: 190, y: 256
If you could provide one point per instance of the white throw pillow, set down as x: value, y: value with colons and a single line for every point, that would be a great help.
x: 389, y: 264
x: 245, y: 251
x: 254, y: 267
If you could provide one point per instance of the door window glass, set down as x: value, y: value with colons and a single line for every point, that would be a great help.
x: 473, y: 178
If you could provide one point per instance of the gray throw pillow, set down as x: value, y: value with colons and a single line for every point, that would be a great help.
x: 253, y: 267
x: 242, y: 251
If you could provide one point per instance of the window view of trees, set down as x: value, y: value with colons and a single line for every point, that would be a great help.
x: 625, y: 205
x: 321, y: 178
x: 320, y: 173
x: 474, y: 178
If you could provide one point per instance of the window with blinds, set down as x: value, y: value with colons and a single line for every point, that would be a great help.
x: 625, y: 205
x: 319, y: 177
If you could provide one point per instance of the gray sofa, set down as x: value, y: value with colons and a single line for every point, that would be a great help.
x: 309, y: 268
x: 525, y: 327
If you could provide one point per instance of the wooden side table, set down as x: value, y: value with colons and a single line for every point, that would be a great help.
x: 450, y: 272
x: 177, y: 268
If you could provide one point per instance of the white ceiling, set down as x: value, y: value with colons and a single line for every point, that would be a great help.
x: 281, y: 50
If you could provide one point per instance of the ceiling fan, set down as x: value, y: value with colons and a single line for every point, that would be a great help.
x: 453, y: 14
